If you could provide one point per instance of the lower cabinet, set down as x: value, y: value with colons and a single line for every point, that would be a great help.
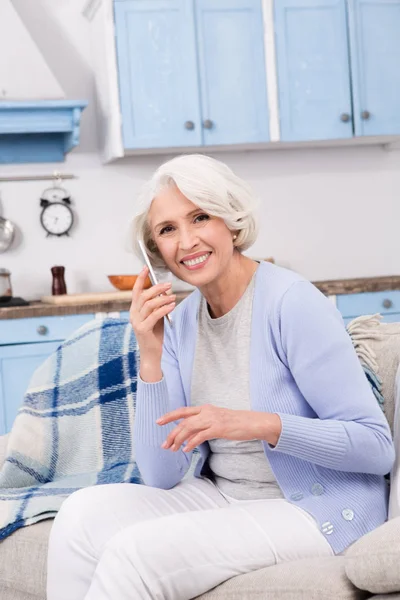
x: 386, y: 303
x: 17, y: 365
x: 24, y: 345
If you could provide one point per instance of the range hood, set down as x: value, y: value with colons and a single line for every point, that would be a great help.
x: 37, y: 123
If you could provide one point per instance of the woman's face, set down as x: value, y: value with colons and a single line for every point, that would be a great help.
x: 195, y: 246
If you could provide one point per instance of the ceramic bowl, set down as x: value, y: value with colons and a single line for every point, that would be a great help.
x: 126, y: 282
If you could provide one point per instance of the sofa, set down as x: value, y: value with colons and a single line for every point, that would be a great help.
x: 370, y: 568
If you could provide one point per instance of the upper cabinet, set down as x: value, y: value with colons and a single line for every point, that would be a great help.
x: 157, y: 65
x: 195, y: 74
x: 313, y: 69
x: 191, y: 72
x: 232, y: 74
x: 337, y: 68
x: 374, y: 35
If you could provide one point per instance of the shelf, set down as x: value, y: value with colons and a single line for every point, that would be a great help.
x: 36, y: 132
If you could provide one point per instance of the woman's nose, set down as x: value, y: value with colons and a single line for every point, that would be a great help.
x: 187, y: 239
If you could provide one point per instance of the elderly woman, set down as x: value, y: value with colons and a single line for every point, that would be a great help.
x: 258, y: 372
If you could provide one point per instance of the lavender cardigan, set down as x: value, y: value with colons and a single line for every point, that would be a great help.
x: 335, y: 446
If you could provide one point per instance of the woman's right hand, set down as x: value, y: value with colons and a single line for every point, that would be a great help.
x: 147, y: 313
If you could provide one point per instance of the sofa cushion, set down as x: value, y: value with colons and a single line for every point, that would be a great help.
x: 307, y: 579
x: 372, y: 563
x: 10, y: 594
x: 378, y: 345
x: 23, y: 560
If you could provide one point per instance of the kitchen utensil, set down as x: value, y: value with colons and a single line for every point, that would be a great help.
x: 78, y: 299
x: 58, y: 286
x: 11, y: 302
x: 5, y: 285
x: 7, y: 232
x: 126, y: 282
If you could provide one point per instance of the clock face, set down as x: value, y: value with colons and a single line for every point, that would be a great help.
x: 57, y: 218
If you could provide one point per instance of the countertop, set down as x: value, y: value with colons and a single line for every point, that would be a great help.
x: 39, y: 309
x: 329, y: 287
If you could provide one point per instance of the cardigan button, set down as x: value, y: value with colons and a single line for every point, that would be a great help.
x: 327, y: 528
x: 317, y: 489
x: 348, y: 514
x: 297, y: 496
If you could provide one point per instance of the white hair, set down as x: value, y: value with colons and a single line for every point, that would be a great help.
x: 209, y: 184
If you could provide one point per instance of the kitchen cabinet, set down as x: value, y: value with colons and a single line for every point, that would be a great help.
x: 232, y: 73
x: 176, y: 75
x: 157, y: 67
x: 24, y: 345
x: 374, y: 36
x: 387, y: 303
x: 191, y: 72
x: 17, y: 365
x: 337, y: 68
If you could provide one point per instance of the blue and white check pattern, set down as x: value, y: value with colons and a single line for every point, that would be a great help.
x: 75, y: 426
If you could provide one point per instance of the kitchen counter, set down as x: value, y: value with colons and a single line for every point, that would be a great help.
x: 357, y: 286
x: 329, y: 287
x: 39, y: 309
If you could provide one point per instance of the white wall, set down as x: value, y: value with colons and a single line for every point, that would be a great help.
x: 326, y: 213
x: 25, y: 74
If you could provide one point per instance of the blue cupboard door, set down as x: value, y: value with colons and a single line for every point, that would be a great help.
x: 232, y: 71
x: 158, y: 76
x: 17, y: 365
x: 313, y: 70
x: 375, y: 58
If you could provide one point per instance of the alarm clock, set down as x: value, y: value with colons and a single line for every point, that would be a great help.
x: 56, y: 217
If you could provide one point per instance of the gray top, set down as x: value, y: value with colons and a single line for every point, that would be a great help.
x: 221, y: 377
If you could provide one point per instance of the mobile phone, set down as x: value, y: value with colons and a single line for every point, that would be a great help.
x: 152, y: 275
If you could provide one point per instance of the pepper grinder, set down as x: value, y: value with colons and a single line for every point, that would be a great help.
x: 58, y: 287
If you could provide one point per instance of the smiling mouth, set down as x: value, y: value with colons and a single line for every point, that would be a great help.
x: 196, y: 261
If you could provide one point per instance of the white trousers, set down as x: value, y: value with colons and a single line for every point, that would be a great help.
x: 133, y: 542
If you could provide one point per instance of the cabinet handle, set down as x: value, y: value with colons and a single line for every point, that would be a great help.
x: 345, y: 117
x: 365, y: 115
x: 208, y: 124
x: 189, y: 125
x: 42, y: 330
x: 387, y: 303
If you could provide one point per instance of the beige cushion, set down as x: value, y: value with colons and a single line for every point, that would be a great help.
x: 387, y: 351
x: 23, y: 560
x: 307, y: 579
x: 9, y: 594
x: 23, y: 569
x: 372, y: 563
x: 379, y: 345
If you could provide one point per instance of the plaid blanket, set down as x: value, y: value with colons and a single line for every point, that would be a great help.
x: 75, y: 427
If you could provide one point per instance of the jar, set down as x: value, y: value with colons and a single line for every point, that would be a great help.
x: 5, y: 284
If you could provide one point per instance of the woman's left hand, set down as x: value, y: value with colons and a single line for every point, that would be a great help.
x: 207, y: 422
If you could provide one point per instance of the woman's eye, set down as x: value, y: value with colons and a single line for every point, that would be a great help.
x: 166, y: 229
x: 202, y: 217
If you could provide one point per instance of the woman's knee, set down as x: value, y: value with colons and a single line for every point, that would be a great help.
x: 97, y: 512
x: 83, y: 510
